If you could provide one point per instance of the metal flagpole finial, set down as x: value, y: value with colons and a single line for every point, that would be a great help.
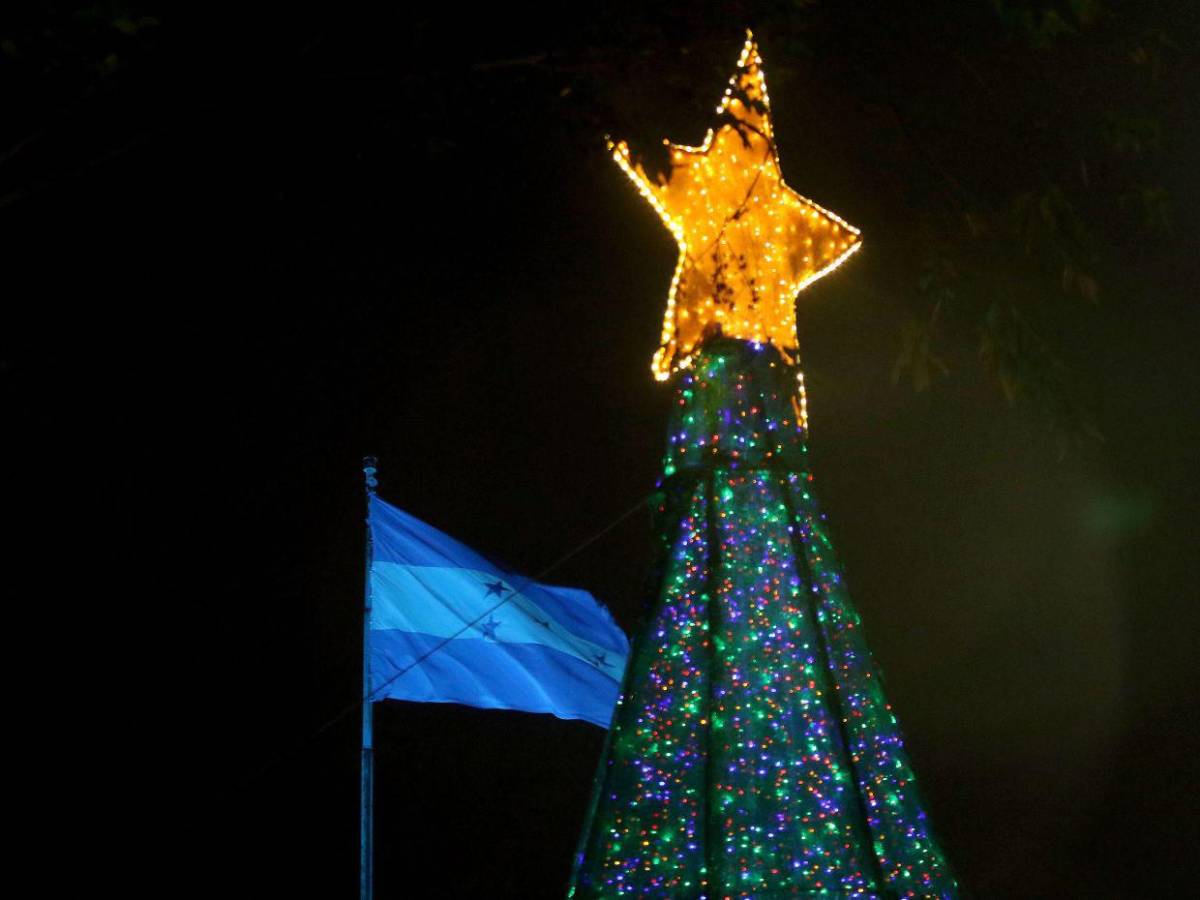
x: 369, y: 469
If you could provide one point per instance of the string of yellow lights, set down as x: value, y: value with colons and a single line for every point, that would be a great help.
x: 762, y: 243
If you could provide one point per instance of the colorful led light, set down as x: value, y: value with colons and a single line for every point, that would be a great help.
x: 753, y: 753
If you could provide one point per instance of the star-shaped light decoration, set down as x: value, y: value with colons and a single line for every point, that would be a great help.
x: 747, y: 242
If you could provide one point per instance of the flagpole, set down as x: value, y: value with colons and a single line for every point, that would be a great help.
x: 366, y: 858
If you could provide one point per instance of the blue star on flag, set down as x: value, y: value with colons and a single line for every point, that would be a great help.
x: 495, y: 588
x: 489, y: 628
x: 601, y: 660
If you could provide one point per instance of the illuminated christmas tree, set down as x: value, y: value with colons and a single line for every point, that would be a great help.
x: 752, y: 753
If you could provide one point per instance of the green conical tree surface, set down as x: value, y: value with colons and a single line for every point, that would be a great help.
x: 752, y: 753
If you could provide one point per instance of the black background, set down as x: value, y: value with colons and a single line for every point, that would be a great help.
x: 268, y: 253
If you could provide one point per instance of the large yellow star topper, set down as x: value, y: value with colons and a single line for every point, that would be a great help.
x: 747, y: 242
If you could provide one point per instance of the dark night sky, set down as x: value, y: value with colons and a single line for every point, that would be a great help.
x: 261, y: 257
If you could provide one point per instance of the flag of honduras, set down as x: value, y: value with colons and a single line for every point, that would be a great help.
x: 447, y: 626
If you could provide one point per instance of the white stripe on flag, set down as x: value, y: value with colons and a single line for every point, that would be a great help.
x: 401, y: 600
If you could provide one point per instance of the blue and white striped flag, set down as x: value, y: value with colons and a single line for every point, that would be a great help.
x: 540, y: 649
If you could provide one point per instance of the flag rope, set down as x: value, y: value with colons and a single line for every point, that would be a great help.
x: 356, y: 704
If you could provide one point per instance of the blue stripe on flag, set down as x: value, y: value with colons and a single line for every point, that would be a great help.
x: 478, y: 672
